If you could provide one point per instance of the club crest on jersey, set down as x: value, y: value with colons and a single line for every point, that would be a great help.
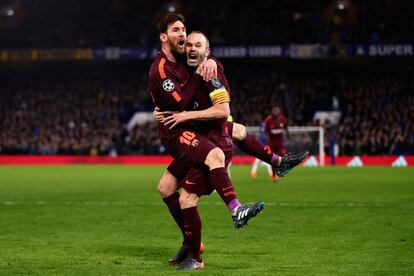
x: 216, y: 83
x: 168, y: 85
x: 195, y: 143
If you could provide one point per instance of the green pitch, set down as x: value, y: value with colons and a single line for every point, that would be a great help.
x: 109, y: 220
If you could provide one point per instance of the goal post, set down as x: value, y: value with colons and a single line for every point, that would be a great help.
x: 302, y: 138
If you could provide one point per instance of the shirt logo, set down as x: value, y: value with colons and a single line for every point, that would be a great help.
x: 184, y: 83
x: 189, y: 182
x: 168, y: 85
x: 195, y: 143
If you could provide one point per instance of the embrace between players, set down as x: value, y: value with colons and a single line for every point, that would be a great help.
x: 184, y: 78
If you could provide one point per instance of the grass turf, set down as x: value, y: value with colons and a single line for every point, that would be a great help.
x: 109, y: 220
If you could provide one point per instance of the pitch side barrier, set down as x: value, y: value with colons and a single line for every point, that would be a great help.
x: 312, y: 161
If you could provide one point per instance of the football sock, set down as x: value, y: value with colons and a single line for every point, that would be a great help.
x: 192, y: 231
x: 221, y: 182
x: 253, y: 147
x: 173, y: 204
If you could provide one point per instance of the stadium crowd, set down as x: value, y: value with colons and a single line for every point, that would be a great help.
x: 125, y: 23
x: 85, y: 110
x: 77, y: 111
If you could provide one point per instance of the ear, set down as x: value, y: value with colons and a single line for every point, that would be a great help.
x: 208, y: 52
x: 163, y: 37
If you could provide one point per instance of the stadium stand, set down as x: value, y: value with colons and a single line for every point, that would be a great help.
x: 84, y: 108
x: 124, y: 23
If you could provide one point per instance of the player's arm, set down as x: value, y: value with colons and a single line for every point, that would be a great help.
x: 217, y: 111
x: 208, y: 68
x: 220, y: 99
x: 160, y: 115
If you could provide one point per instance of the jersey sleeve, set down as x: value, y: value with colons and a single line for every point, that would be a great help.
x: 218, y: 89
x: 166, y: 90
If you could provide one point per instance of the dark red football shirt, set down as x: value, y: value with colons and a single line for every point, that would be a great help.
x: 212, y: 92
x: 274, y: 128
x: 174, y: 87
x: 171, y: 87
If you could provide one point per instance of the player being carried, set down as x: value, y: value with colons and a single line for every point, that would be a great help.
x: 172, y: 88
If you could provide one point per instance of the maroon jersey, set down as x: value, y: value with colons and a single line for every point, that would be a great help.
x: 171, y: 87
x: 275, y: 128
x: 212, y: 92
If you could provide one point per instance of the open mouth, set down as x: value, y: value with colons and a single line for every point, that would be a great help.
x: 181, y: 43
x: 192, y: 56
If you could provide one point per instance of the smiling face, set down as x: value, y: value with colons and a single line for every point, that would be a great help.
x: 196, y: 48
x: 175, y: 37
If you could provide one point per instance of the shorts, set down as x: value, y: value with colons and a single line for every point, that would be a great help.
x: 189, y: 146
x: 197, y: 181
x: 180, y: 167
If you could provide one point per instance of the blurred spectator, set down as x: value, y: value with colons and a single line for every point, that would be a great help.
x: 82, y: 108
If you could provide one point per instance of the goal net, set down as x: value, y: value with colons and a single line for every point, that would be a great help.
x: 303, y: 138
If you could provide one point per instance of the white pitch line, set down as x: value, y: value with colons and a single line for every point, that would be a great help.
x: 156, y: 203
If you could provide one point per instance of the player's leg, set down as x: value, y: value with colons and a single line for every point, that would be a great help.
x: 192, y: 227
x: 250, y: 145
x: 198, y: 150
x: 220, y: 179
x: 269, y: 169
x: 288, y: 161
x: 241, y: 213
x: 255, y: 165
x: 167, y: 188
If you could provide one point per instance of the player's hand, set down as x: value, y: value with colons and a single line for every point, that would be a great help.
x: 160, y: 115
x: 175, y: 119
x: 207, y: 69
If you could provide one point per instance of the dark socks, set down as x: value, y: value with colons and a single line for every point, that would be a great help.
x: 253, y: 147
x: 173, y: 204
x: 192, y: 231
x: 221, y: 182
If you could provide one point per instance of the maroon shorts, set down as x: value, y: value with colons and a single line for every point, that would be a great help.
x: 197, y: 181
x: 189, y: 146
x: 180, y: 167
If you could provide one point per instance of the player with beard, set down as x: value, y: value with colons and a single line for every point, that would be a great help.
x: 213, y: 98
x: 172, y: 87
x: 168, y: 184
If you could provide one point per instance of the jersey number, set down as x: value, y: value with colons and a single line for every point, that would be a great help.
x: 187, y: 137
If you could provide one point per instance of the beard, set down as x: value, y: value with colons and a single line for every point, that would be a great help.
x: 175, y: 50
x: 179, y: 56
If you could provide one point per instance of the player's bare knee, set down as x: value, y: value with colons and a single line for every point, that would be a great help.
x: 168, y: 184
x: 215, y: 159
x: 239, y: 132
x: 188, y: 200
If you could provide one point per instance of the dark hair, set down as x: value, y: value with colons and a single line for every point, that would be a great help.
x: 169, y: 19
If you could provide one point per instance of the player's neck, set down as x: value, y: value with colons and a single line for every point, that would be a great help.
x: 168, y: 53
